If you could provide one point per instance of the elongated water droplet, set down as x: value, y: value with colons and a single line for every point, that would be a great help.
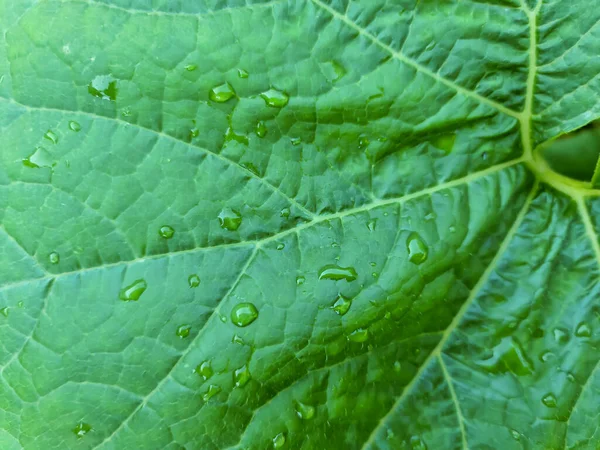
x: 371, y: 224
x: 305, y: 412
x: 243, y: 314
x: 547, y: 356
x: 211, y: 392
x: 183, y: 331
x: 81, y: 429
x: 133, y: 291
x: 342, y: 305
x: 74, y: 126
x: 191, y: 67
x: 334, y: 272
x: 275, y: 98
x: 104, y: 87
x: 549, y: 400
x: 4, y: 311
x: 279, y: 440
x: 241, y: 376
x: 296, y: 141
x: 54, y: 258
x: 229, y: 219
x: 204, y: 369
x: 242, y: 73
x: 300, y: 280
x: 39, y: 158
x: 51, y: 136
x: 280, y: 246
x: 359, y: 335
x: 20, y: 304
x: 237, y: 340
x: 261, y: 129
x: 583, y: 330
x: 221, y: 93
x: 417, y: 249
x: 166, y: 232
x: 194, y: 281
x: 515, y: 435
x: 561, y: 335
x: 231, y: 135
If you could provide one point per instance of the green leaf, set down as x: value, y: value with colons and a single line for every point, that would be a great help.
x: 308, y: 224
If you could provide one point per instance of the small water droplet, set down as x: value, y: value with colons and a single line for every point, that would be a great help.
x: 275, y: 98
x: 74, y: 126
x: 104, y: 87
x: 20, y: 304
x: 183, y: 331
x: 191, y: 67
x: 133, y: 291
x: 229, y: 219
x: 204, y: 369
x: 484, y: 156
x: 375, y: 274
x: 221, y: 93
x: 222, y: 318
x: 285, y: 213
x: 452, y: 229
x: 194, y: 281
x: 417, y: 249
x: 333, y: 71
x: 280, y: 246
x: 373, y: 264
x: 334, y: 272
x: 570, y: 378
x: 359, y: 335
x: 39, y: 158
x: 211, y: 392
x: 194, y: 133
x: 561, y: 335
x: 126, y: 112
x: 4, y: 311
x: 547, y: 356
x: 304, y: 411
x: 279, y: 440
x: 372, y: 224
x: 81, y: 429
x: 363, y: 142
x: 417, y: 443
x: 388, y: 315
x: 241, y: 376
x: 261, y: 129
x: 296, y: 141
x: 237, y: 340
x: 342, y: 305
x: 583, y: 330
x: 515, y: 435
x: 431, y: 216
x: 549, y: 400
x: 300, y: 280
x: 242, y: 73
x: 166, y: 232
x: 54, y: 258
x: 243, y: 314
x: 51, y: 136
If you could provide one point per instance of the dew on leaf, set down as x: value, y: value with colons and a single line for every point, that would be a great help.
x: 221, y: 93
x: 183, y: 331
x: 285, y: 213
x: 388, y: 315
x: 51, y: 136
x: 236, y: 339
x: 342, y: 305
x: 583, y: 330
x: 231, y: 135
x: 194, y: 281
x: 74, y: 126
x: 547, y: 356
x: 372, y: 224
x: 333, y: 71
x: 191, y: 67
x: 549, y: 400
x: 359, y: 335
x: 275, y: 98
x: 166, y: 232
x: 250, y: 168
x: 126, y: 112
x: 300, y: 280
x: 104, y: 87
x: 363, y: 142
x: 229, y: 219
x: 243, y: 314
x: 515, y: 435
x: 204, y: 369
x: 54, y: 258
x: 397, y: 366
x: 242, y: 73
x: 133, y: 291
x: 417, y: 443
x: 280, y: 246
x: 194, y: 132
x: 211, y: 392
x: 335, y: 272
x: 304, y: 411
x: 417, y: 249
x: 222, y: 318
x: 241, y: 376
x: 4, y: 311
x: 20, y: 304
x: 279, y: 440
x: 561, y: 335
x: 39, y: 158
x: 508, y: 355
x: 81, y: 429
x: 261, y: 129
x: 296, y: 141
x: 570, y: 378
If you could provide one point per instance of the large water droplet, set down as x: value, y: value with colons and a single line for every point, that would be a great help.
x: 230, y: 219
x: 279, y: 440
x: 275, y: 98
x: 51, y: 136
x: 561, y: 335
x: 261, y: 129
x: 204, y: 369
x: 549, y: 400
x: 104, y: 87
x: 133, y: 291
x: 342, y: 305
x: 242, y: 73
x: 243, y: 314
x: 211, y: 392
x: 241, y: 376
x: 221, y: 93
x: 305, y: 412
x: 359, y: 335
x: 166, y: 232
x: 417, y: 249
x: 39, y: 158
x: 74, y: 126
x: 183, y: 331
x: 335, y: 272
x: 54, y: 258
x: 81, y: 429
x: 583, y: 330
x: 194, y: 281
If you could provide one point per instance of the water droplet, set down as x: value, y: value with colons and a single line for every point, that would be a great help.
x: 570, y: 378
x: 54, y: 258
x: 508, y: 355
x: 166, y: 232
x: 104, y: 87
x: 211, y: 392
x: 280, y: 246
x: 237, y: 340
x: 183, y: 331
x: 561, y: 335
x: 191, y: 67
x: 285, y: 213
x: 296, y: 141
x: 417, y: 443
x: 373, y: 264
x: 363, y: 142
x: 243, y: 314
x: 372, y: 224
x: 74, y: 126
x: 20, y: 304
x: 229, y: 219
x: 431, y: 216
x: 204, y: 369
x: 452, y: 229
x: 241, y: 376
x: 300, y: 280
x: 221, y: 93
x: 333, y: 71
x: 133, y: 291
x: 51, y: 136
x: 359, y: 335
x: 250, y: 168
x: 81, y: 429
x: 242, y: 73
x: 515, y: 435
x: 222, y: 318
x: 4, y: 311
x: 484, y: 156
x: 583, y: 330
x: 397, y: 366
x: 334, y: 272
x: 547, y: 356
x: 375, y: 274
x: 445, y: 142
x: 39, y: 158
x: 549, y: 400
x: 126, y: 112
x: 388, y: 315
x: 305, y: 412
x: 342, y: 305
x: 417, y: 249
x: 194, y: 132
x: 275, y: 98
x: 279, y: 440
x: 194, y: 281
x: 261, y: 129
